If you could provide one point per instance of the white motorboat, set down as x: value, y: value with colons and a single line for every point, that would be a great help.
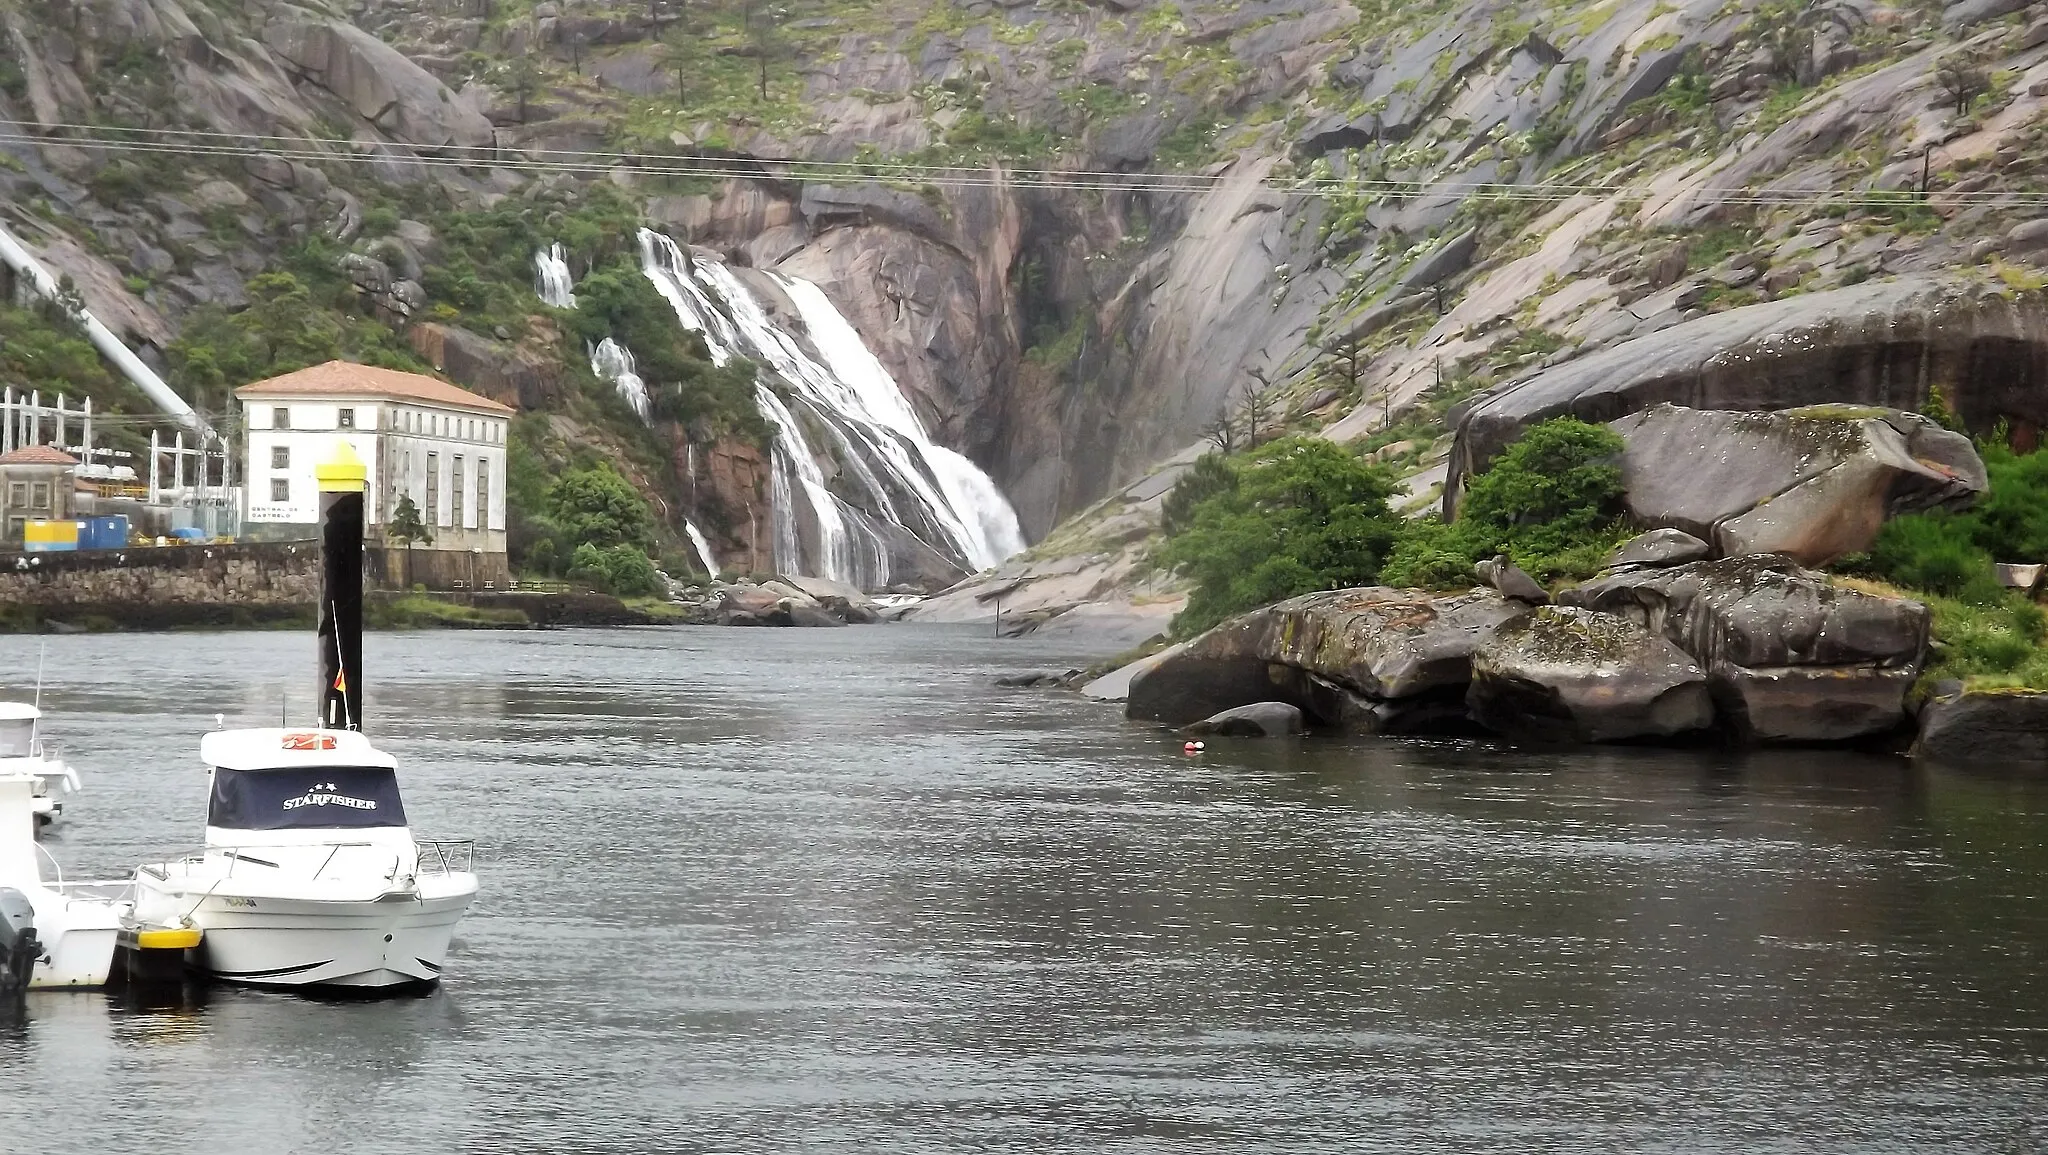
x: 310, y: 876
x: 24, y: 749
x: 74, y: 925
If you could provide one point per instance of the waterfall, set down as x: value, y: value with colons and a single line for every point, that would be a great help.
x: 976, y: 515
x: 703, y: 547
x: 613, y: 362
x: 900, y: 474
x: 551, y: 277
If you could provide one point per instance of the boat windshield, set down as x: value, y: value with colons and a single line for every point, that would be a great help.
x: 17, y: 737
x: 313, y: 797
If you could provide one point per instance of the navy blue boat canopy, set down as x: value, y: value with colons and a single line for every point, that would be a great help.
x: 308, y: 797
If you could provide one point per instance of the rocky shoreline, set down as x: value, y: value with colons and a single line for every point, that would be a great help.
x: 1746, y: 650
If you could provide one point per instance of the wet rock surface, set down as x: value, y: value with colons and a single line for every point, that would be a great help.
x: 1258, y: 720
x: 1762, y: 611
x: 1566, y: 674
x: 1333, y: 654
x: 1985, y: 728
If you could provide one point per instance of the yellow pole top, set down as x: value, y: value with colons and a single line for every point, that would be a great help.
x: 344, y: 472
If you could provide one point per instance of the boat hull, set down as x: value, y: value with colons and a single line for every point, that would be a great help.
x: 396, y: 941
x: 78, y: 937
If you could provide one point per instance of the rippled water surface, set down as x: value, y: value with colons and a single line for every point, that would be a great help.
x: 766, y: 891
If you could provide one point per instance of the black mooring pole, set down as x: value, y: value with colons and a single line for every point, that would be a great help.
x: 342, y: 482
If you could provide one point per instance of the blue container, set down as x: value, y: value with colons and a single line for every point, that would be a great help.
x: 109, y: 532
x: 189, y: 533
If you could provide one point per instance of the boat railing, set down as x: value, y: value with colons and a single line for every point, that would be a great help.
x: 446, y: 855
x: 436, y: 856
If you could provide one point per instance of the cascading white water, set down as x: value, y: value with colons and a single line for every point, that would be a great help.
x: 613, y: 362
x: 974, y: 511
x: 858, y: 403
x: 551, y: 277
x: 704, y: 554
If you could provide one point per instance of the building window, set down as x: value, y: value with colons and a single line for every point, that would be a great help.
x: 280, y: 457
x: 483, y: 493
x: 39, y: 495
x: 280, y: 489
x: 17, y: 494
x: 433, y: 510
x: 280, y: 418
x: 344, y: 419
x: 455, y: 492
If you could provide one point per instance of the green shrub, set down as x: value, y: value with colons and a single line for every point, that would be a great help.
x: 683, y: 385
x: 1552, y: 502
x: 1934, y: 552
x: 621, y: 570
x: 1555, y: 487
x: 1302, y: 514
x: 598, y: 507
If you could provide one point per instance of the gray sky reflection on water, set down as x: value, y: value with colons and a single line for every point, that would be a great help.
x: 823, y: 890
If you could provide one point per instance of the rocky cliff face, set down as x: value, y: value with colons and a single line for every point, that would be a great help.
x: 1074, y: 232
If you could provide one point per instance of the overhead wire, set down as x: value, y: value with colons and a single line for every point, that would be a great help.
x: 589, y: 162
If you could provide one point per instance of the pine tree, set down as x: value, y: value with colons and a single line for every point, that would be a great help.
x: 406, y: 526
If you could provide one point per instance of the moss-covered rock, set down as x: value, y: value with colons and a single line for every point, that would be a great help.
x: 1566, y: 674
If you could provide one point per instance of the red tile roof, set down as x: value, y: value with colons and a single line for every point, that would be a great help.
x: 38, y: 455
x: 348, y: 379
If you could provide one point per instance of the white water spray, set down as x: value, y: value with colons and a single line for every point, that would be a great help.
x: 704, y: 554
x: 613, y: 362
x: 551, y: 277
x: 861, y: 407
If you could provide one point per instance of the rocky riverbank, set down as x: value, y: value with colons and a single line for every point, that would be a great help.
x: 1752, y: 649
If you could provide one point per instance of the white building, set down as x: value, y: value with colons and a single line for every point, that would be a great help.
x: 420, y: 437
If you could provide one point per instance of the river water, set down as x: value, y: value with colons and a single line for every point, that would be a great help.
x: 831, y: 890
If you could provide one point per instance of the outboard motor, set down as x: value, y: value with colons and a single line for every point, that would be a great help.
x: 19, y: 947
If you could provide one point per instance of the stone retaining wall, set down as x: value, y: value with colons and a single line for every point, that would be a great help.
x: 128, y: 582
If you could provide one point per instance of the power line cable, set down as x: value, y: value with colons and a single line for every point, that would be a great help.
x: 185, y: 142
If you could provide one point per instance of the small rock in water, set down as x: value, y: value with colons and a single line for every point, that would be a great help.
x: 1039, y: 678
x: 1258, y: 720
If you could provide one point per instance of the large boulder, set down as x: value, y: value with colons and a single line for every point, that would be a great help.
x: 1791, y: 656
x: 1566, y: 674
x: 1985, y: 727
x: 1762, y: 611
x: 495, y: 369
x: 1339, y: 655
x: 1258, y: 720
x: 1810, y: 703
x: 1812, y: 483
x: 380, y: 83
x: 1877, y: 343
x: 840, y: 600
x: 1115, y: 686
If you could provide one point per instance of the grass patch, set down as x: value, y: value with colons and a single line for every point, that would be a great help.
x: 415, y: 611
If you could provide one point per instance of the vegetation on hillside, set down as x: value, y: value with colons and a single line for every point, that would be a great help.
x: 1295, y: 515
x: 1302, y: 514
x: 1984, y: 633
x: 590, y: 526
x: 683, y: 385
